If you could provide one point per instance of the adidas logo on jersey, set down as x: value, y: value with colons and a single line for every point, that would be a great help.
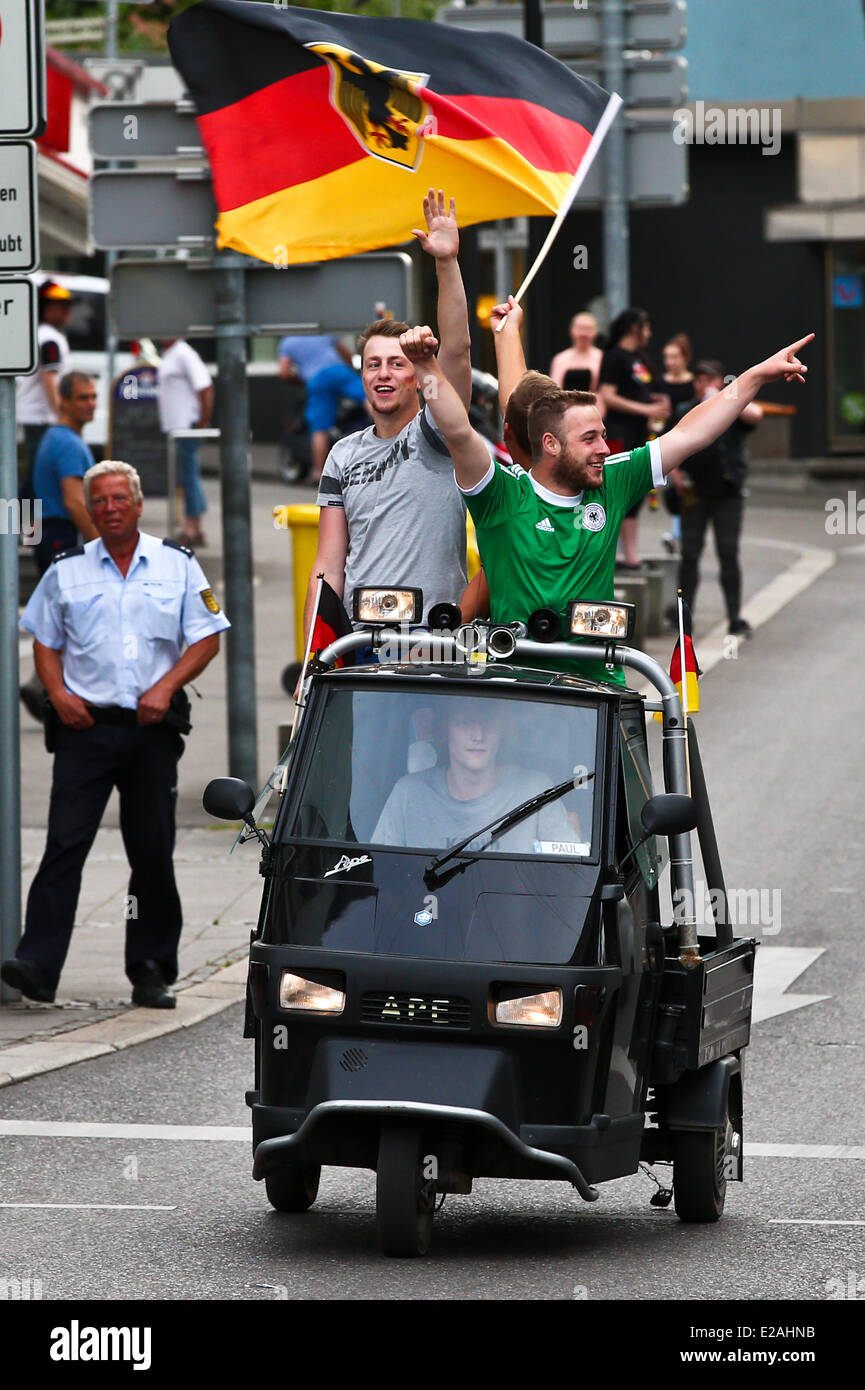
x: 545, y: 525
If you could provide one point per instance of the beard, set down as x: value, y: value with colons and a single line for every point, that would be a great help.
x: 571, y: 473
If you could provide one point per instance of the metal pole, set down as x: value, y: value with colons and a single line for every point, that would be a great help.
x: 539, y: 326
x: 617, y: 290
x: 111, y: 11
x: 233, y: 407
x: 10, y: 745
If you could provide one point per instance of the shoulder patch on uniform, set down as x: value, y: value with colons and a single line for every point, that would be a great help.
x: 209, y: 601
x: 65, y: 554
x: 178, y: 545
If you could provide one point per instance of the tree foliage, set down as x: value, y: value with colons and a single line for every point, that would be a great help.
x: 144, y: 27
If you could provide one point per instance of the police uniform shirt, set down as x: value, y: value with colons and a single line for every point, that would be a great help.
x: 118, y: 635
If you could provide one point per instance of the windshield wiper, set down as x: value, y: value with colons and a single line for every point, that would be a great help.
x: 503, y: 823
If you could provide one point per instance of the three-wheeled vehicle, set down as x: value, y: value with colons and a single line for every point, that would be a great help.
x: 462, y: 968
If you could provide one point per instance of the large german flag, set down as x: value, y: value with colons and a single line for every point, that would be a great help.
x: 324, y: 131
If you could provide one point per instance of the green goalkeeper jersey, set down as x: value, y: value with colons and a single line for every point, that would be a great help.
x: 540, y: 550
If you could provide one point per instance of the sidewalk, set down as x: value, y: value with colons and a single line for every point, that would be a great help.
x: 221, y: 892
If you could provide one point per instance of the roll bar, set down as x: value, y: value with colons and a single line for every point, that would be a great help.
x: 445, y: 647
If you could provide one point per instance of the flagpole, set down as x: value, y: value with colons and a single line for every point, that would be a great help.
x: 299, y: 706
x: 684, y: 680
x: 595, y: 143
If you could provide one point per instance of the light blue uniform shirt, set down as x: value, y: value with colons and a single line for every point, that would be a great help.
x: 118, y: 635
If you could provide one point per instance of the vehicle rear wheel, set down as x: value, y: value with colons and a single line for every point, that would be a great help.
x: 292, y: 1189
x: 404, y: 1198
x: 701, y: 1166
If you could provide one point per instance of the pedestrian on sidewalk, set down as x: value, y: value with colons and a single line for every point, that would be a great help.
x: 37, y: 397
x: 62, y: 459
x: 186, y: 403
x: 324, y: 364
x: 109, y: 619
x: 714, y: 491
x: 632, y: 399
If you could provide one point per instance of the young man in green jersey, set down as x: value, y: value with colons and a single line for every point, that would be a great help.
x: 549, y: 536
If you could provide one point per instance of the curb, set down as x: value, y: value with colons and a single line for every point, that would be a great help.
x: 194, y: 1003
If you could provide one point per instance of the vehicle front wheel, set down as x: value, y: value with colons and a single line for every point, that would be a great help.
x: 702, y: 1164
x: 404, y: 1196
x: 292, y: 1189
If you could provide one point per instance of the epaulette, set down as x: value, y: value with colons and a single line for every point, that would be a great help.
x: 64, y: 554
x: 178, y: 545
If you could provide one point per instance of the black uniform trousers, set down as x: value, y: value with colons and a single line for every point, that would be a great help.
x: 142, y: 764
x: 725, y: 514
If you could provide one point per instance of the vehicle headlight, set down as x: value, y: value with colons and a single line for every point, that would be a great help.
x: 309, y: 997
x: 388, y: 605
x: 532, y: 1010
x: 614, y: 620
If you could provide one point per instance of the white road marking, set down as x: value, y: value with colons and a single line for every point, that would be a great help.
x: 714, y: 646
x: 810, y: 1221
x: 84, y: 1206
x: 804, y: 1150
x: 71, y: 1129
x: 775, y: 970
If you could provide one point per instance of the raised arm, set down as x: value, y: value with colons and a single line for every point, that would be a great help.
x: 471, y: 458
x: 707, y: 421
x: 510, y: 358
x: 441, y: 240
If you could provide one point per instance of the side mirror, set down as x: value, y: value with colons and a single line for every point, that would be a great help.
x: 227, y: 798
x: 669, y: 813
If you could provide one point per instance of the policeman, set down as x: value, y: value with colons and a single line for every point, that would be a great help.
x: 109, y: 619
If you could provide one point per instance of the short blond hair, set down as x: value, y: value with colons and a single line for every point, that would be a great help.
x: 113, y: 466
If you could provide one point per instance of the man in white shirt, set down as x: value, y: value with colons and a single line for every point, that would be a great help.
x: 185, y: 403
x: 37, y: 397
x: 120, y: 626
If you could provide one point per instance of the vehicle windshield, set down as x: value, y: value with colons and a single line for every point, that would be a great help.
x: 424, y: 769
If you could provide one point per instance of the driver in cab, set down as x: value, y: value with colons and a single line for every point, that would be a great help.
x: 471, y: 787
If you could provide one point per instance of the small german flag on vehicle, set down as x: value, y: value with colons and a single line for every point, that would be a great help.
x: 324, y: 131
x: 686, y: 672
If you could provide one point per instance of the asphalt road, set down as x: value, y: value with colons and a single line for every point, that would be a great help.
x: 784, y: 743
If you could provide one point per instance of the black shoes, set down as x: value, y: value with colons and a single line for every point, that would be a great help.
x: 150, y: 991
x: 32, y: 982
x: 740, y: 628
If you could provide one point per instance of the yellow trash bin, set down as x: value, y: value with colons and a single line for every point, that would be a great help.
x: 302, y: 521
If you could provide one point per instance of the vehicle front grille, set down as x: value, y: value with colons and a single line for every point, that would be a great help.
x: 428, y: 1010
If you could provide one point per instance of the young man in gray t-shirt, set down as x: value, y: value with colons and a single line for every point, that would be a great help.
x: 388, y: 511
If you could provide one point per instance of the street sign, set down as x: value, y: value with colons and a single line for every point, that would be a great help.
x: 149, y: 130
x: 17, y: 327
x: 657, y: 168
x: 22, y: 80
x: 144, y: 209
x: 569, y: 31
x: 19, y: 232
x: 171, y: 299
x: 120, y: 75
x: 651, y: 79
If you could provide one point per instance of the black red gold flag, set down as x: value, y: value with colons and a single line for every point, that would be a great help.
x: 331, y: 621
x: 692, y: 672
x: 324, y: 131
